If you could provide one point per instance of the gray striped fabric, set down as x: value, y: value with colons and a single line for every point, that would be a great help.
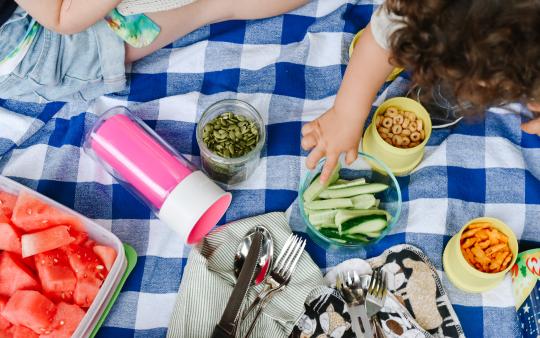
x: 208, y: 281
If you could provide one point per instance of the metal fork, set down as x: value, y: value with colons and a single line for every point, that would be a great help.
x: 279, y: 276
x: 376, y: 292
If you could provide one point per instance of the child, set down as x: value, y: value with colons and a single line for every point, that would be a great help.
x: 65, y: 50
x: 487, y: 52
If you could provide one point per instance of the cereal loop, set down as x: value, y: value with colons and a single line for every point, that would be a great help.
x: 398, y: 120
x: 392, y: 110
x: 387, y: 122
x: 396, y: 129
x: 406, y: 122
x: 415, y: 137
x: 396, y: 140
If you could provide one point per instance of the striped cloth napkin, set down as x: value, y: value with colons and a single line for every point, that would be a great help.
x: 208, y: 281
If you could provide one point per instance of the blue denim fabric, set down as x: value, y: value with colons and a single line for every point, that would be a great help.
x: 59, y: 67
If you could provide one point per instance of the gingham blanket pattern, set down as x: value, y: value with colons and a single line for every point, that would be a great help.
x: 289, y: 67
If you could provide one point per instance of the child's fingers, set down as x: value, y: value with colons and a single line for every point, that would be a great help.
x: 351, y: 156
x: 532, y: 127
x: 307, y: 128
x: 314, y: 157
x: 308, y: 142
x: 329, y: 165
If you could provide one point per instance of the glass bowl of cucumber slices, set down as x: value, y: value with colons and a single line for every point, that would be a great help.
x: 357, y: 207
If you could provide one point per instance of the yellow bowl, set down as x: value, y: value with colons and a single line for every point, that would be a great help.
x: 395, y: 71
x: 466, y: 277
x: 400, y: 160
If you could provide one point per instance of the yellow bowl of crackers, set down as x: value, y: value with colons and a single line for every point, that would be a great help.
x: 398, y: 134
x: 477, y: 258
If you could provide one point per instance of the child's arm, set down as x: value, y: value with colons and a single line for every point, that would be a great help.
x: 68, y: 16
x: 339, y: 130
x: 258, y: 9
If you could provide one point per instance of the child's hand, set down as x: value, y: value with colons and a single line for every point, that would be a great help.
x: 533, y: 126
x: 329, y: 136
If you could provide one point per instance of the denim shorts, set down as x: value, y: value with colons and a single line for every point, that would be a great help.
x: 58, y: 67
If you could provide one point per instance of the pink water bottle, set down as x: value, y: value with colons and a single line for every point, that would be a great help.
x: 179, y: 194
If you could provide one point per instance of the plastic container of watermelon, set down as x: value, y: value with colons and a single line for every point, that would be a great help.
x: 98, y: 234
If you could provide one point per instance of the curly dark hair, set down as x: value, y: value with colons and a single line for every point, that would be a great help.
x: 487, y: 52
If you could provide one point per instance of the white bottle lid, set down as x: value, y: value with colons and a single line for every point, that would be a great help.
x: 194, y: 207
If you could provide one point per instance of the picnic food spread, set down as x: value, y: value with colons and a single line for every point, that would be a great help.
x: 50, y: 270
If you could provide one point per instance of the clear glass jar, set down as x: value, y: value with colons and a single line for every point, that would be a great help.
x: 230, y: 171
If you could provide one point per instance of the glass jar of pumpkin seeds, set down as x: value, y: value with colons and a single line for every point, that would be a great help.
x: 230, y: 135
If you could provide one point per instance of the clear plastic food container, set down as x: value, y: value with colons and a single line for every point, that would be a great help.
x: 234, y: 170
x: 98, y: 234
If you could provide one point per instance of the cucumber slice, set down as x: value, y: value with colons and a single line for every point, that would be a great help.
x: 325, y: 226
x: 335, y: 203
x: 371, y: 188
x: 364, y: 224
x: 348, y: 184
x: 323, y: 217
x: 341, y: 181
x: 343, y: 216
x: 356, y: 238
x: 363, y: 201
x: 377, y: 203
x: 333, y: 234
x: 316, y: 187
x: 374, y: 234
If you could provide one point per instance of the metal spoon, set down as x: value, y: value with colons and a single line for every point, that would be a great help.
x: 265, y: 260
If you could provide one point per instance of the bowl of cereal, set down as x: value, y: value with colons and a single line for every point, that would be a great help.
x: 398, y: 134
x: 477, y: 258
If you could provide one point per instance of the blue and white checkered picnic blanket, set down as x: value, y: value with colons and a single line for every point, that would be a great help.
x: 289, y: 67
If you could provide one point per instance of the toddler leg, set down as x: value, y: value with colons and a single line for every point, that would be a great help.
x: 178, y: 22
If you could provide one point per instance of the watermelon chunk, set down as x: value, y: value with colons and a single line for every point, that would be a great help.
x: 45, y: 240
x: 17, y: 331
x: 4, y: 323
x: 10, y: 239
x: 106, y: 254
x: 7, y: 202
x: 14, y: 275
x: 31, y: 214
x: 57, y: 278
x: 89, y: 271
x: 31, y: 309
x: 66, y: 320
x: 80, y: 236
x: 4, y: 218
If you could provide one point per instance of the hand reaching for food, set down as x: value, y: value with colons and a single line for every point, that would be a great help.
x: 329, y: 136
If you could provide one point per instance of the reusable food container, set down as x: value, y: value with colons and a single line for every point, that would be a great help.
x: 181, y: 196
x: 466, y: 277
x: 401, y: 161
x: 230, y: 171
x: 390, y: 199
x: 98, y: 234
x: 395, y: 71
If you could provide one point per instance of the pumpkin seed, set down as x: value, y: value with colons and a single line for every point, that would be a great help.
x: 231, y: 135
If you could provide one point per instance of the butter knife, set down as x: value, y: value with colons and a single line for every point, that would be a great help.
x: 226, y: 328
